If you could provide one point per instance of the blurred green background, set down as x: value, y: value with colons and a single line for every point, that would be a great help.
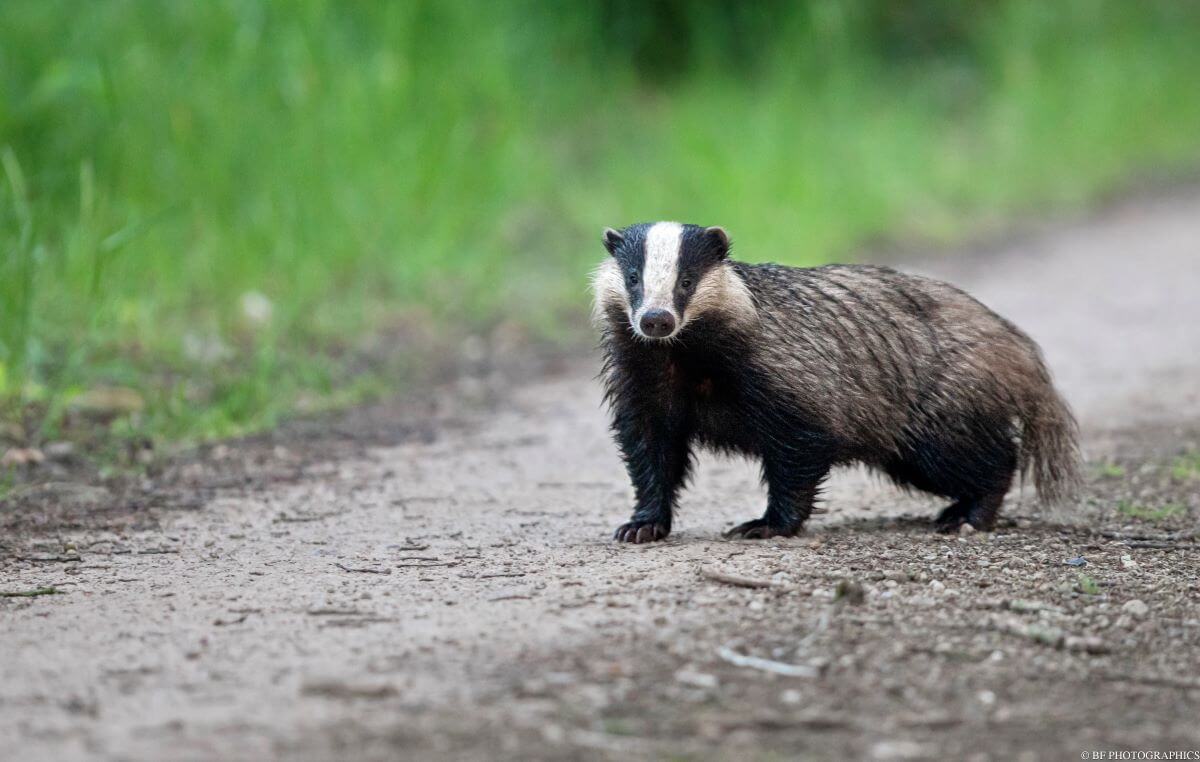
x: 216, y: 213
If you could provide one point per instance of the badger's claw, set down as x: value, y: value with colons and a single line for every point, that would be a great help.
x: 641, y: 531
x: 758, y: 529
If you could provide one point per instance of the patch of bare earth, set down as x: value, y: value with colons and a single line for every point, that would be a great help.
x: 446, y: 586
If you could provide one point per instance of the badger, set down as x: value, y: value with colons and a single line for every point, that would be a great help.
x: 805, y: 369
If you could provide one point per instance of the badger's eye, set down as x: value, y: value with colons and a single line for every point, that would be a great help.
x: 633, y: 277
x: 686, y: 283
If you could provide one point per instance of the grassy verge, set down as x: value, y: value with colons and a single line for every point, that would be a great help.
x: 215, y: 214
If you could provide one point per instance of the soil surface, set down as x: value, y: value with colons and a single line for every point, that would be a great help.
x: 437, y: 580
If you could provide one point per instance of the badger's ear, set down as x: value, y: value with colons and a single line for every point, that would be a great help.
x: 612, y: 240
x: 720, y: 239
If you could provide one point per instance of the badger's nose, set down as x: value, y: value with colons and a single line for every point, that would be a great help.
x: 658, y: 323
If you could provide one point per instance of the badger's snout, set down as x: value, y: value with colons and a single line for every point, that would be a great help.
x: 657, y: 324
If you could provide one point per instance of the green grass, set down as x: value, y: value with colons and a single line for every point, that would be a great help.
x: 1151, y: 513
x: 1186, y: 467
x: 391, y: 178
x: 1087, y: 585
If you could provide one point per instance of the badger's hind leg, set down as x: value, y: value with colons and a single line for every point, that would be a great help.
x: 979, y: 491
x: 979, y: 512
x: 976, y: 471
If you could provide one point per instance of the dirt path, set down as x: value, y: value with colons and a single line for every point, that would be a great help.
x: 459, y: 595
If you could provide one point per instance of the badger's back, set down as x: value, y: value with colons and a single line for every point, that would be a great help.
x: 890, y: 361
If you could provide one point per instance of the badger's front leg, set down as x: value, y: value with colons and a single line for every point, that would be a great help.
x: 658, y: 459
x: 793, y: 483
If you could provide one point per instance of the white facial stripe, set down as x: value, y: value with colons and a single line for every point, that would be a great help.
x: 663, y: 241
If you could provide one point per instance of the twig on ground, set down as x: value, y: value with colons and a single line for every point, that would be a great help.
x: 362, y: 570
x: 50, y: 559
x: 501, y: 574
x: 31, y: 593
x: 360, y: 621
x: 513, y: 597
x: 1164, y: 680
x: 613, y: 744
x: 736, y: 580
x: 1142, y: 536
x: 767, y: 665
x: 347, y: 691
x: 1157, y: 544
x: 285, y: 519
x: 426, y: 565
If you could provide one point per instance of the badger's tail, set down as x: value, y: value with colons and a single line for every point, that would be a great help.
x: 1050, y: 448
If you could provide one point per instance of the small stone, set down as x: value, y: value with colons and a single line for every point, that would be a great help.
x: 1089, y: 644
x: 966, y: 529
x: 1127, y: 562
x: 791, y: 696
x: 1136, y: 608
x: 22, y: 456
x: 937, y: 586
x: 1076, y: 561
x: 696, y: 679
x: 1051, y: 636
x: 59, y: 450
x: 256, y: 308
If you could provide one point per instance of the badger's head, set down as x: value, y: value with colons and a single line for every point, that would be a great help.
x: 662, y: 275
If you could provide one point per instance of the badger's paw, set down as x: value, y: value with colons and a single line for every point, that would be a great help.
x: 641, y: 531
x: 950, y: 520
x: 759, y: 529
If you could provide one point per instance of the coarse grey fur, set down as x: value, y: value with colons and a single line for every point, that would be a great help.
x: 863, y: 363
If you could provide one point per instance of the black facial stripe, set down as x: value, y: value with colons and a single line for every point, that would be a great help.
x: 631, y: 258
x: 636, y: 293
x: 697, y: 255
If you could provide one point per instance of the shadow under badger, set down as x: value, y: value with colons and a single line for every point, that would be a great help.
x: 810, y: 368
